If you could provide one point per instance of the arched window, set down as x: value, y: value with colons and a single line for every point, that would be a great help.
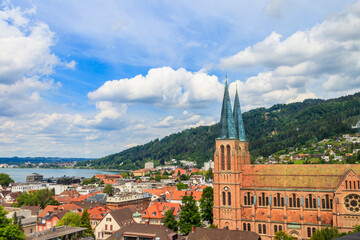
x: 264, y: 229
x: 275, y: 229
x: 228, y: 157
x: 327, y: 202
x: 282, y: 202
x: 248, y: 199
x: 249, y: 227
x: 280, y: 228
x: 263, y: 200
x: 313, y: 230
x: 306, y: 203
x: 323, y: 202
x: 298, y: 202
x: 275, y: 202
x: 259, y: 228
x: 290, y: 202
x: 229, y: 198
x: 310, y: 201
x: 224, y: 198
x: 309, y: 232
x: 245, y: 200
x: 294, y: 201
x: 222, y: 153
x: 244, y: 226
x: 354, y: 185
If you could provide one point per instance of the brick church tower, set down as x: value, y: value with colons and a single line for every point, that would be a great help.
x: 231, y: 154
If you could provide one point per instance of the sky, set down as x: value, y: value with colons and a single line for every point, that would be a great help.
x: 89, y: 78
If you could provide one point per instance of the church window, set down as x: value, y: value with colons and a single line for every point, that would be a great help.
x: 323, y: 203
x: 222, y: 153
x: 275, y: 229
x: 244, y: 226
x: 358, y: 184
x: 264, y: 229
x: 249, y: 228
x: 259, y: 226
x: 280, y: 228
x: 228, y: 157
x: 263, y: 200
x: 259, y: 201
x: 275, y: 201
x: 352, y: 202
x: 224, y: 198
x: 354, y: 185
x: 346, y: 185
x: 252, y: 200
x: 309, y: 232
x: 350, y: 184
x: 290, y: 202
x: 267, y: 201
x: 313, y: 230
x: 326, y: 202
x: 229, y: 198
x: 298, y: 202
x: 245, y: 201
x: 306, y: 203
x: 282, y: 202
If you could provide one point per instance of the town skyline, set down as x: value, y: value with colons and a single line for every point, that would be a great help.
x: 88, y: 81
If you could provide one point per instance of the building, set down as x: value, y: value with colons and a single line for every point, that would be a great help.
x: 221, y: 234
x: 141, y: 172
x: 149, y: 165
x: 144, y: 232
x: 140, y: 201
x: 156, y: 211
x: 208, y: 165
x: 297, y: 199
x: 114, y: 221
x: 27, y: 218
x: 63, y: 232
x: 34, y: 177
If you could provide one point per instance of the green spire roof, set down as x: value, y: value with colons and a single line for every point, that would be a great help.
x: 227, y: 124
x: 239, y: 124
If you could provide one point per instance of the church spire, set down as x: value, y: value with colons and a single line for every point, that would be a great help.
x: 239, y: 124
x: 227, y: 124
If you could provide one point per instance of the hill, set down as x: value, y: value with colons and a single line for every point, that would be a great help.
x: 268, y: 130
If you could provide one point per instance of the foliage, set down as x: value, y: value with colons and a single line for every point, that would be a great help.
x: 213, y: 226
x: 170, y: 221
x: 209, y: 174
x: 108, y: 189
x: 326, y: 234
x: 85, y: 223
x: 88, y: 181
x: 125, y: 174
x: 206, y: 204
x: 42, y: 197
x: 7, y: 229
x: 5, y: 179
x: 184, y: 177
x: 267, y: 130
x: 282, y: 236
x: 70, y: 219
x: 189, y: 215
x: 181, y: 186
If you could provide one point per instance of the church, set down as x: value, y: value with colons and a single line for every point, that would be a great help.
x: 297, y: 199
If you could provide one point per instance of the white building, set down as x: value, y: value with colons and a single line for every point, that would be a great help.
x: 149, y: 165
x: 27, y: 187
x: 208, y: 165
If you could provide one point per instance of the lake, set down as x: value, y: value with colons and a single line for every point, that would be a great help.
x: 19, y: 174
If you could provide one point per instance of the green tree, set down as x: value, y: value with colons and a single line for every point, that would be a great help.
x: 108, y: 189
x: 170, y: 221
x: 206, y: 204
x: 70, y: 219
x: 85, y: 223
x: 183, y: 177
x: 9, y: 231
x: 209, y: 174
x: 158, y: 178
x: 189, y: 215
x: 101, y: 182
x: 326, y: 234
x: 15, y: 219
x: 125, y: 174
x: 181, y: 186
x: 5, y: 179
x: 282, y: 236
x: 42, y: 197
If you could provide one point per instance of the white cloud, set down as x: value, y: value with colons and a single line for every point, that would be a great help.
x: 163, y: 87
x: 310, y: 63
x: 276, y: 8
x: 184, y: 121
x: 70, y: 65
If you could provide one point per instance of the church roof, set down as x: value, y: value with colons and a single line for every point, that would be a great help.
x: 239, y: 123
x: 227, y: 124
x: 315, y: 177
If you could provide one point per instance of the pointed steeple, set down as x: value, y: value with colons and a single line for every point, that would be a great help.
x: 239, y: 124
x: 227, y: 124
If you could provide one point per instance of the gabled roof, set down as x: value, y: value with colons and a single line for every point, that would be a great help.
x: 346, y: 175
x: 52, y: 209
x: 34, y: 209
x: 98, y: 213
x: 158, y: 209
x: 178, y: 195
x: 124, y: 215
x: 145, y: 230
x: 296, y: 176
x: 227, y: 124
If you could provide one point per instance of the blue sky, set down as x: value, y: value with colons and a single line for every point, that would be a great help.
x: 91, y: 78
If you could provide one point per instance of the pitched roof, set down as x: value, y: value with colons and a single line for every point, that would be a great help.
x: 98, y: 213
x: 34, y: 209
x: 178, y: 195
x: 61, y: 209
x: 227, y: 124
x: 309, y: 176
x: 158, y: 209
x: 145, y: 230
x: 124, y: 215
x: 221, y: 234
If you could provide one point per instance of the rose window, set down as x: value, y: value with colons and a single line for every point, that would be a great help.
x: 352, y: 202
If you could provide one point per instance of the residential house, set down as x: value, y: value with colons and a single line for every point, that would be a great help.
x: 145, y: 232
x: 156, y: 211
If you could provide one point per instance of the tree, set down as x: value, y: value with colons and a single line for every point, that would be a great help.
x: 109, y: 190
x: 170, y: 221
x: 70, y: 219
x: 85, y: 223
x: 158, y: 178
x: 9, y: 231
x: 42, y: 197
x: 125, y: 174
x: 101, y: 182
x: 183, y: 177
x: 206, y: 204
x: 5, y: 179
x: 282, y: 236
x: 209, y: 174
x: 326, y: 234
x: 181, y: 186
x: 189, y: 216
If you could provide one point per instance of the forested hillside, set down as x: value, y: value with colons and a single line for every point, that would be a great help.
x: 267, y: 130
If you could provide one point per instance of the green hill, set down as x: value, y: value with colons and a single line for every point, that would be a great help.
x: 268, y: 130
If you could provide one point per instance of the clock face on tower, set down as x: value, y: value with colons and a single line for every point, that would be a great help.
x: 352, y: 202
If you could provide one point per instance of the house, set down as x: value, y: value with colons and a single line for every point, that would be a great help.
x: 221, y: 234
x: 156, y: 211
x: 114, y: 221
x: 97, y: 214
x: 28, y: 220
x: 141, y: 172
x: 63, y: 232
x: 144, y: 231
x: 177, y: 196
x: 51, y: 215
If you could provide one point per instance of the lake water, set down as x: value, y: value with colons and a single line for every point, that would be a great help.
x: 19, y: 174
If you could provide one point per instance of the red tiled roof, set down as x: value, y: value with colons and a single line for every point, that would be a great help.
x: 178, y: 195
x: 98, y: 213
x: 60, y: 208
x: 158, y: 209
